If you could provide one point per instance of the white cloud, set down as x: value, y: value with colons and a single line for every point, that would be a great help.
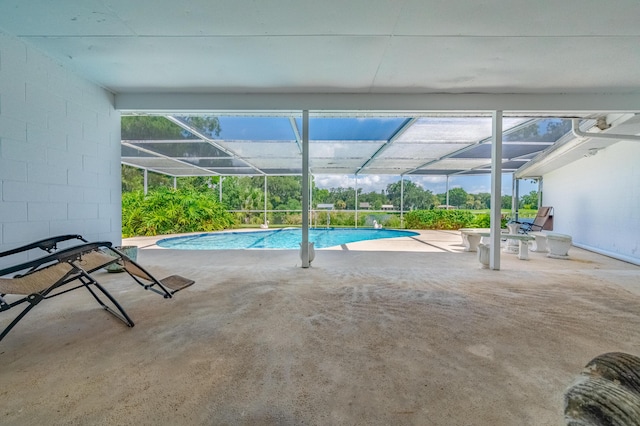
x: 436, y: 184
x: 368, y: 183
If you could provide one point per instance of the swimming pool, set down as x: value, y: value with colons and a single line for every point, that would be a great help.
x: 286, y: 238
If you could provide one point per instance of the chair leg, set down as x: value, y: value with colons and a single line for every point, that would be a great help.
x: 121, y: 315
x: 33, y: 300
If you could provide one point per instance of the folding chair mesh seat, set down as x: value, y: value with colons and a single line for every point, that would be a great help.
x: 166, y: 287
x: 35, y: 282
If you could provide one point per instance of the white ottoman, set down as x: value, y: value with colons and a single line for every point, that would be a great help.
x: 471, y: 238
x: 559, y: 245
x: 483, y: 255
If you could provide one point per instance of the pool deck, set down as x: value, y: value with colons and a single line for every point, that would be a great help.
x: 409, y: 331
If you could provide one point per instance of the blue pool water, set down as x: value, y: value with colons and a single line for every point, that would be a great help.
x: 287, y: 238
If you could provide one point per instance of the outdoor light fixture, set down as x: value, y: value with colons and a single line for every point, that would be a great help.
x: 591, y: 152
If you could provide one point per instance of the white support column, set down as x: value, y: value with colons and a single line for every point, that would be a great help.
x: 447, y: 200
x: 540, y: 192
x: 356, y: 218
x: 304, y: 247
x: 401, y: 201
x: 220, y: 187
x: 264, y: 220
x: 515, y: 197
x: 146, y: 180
x: 175, y: 182
x: 311, y: 213
x: 496, y: 190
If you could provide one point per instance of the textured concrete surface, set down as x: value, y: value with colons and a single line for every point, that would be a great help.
x: 370, y: 335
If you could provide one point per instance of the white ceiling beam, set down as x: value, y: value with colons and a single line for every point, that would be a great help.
x: 553, y: 104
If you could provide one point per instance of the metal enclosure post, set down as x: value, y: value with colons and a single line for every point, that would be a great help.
x: 220, y: 187
x: 356, y: 215
x: 311, y: 212
x: 265, y: 200
x: 515, y: 197
x: 304, y: 247
x: 447, y: 200
x: 540, y: 192
x: 496, y: 190
x: 401, y: 201
x: 175, y: 182
x: 146, y: 180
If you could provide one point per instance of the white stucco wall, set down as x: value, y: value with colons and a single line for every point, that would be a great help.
x: 597, y: 201
x: 59, y: 151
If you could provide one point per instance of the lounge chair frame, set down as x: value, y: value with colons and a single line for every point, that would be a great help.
x: 77, y: 263
x: 49, y: 245
x: 165, y: 287
x: 67, y: 271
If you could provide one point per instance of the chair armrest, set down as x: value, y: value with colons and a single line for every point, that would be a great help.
x: 48, y: 244
x: 65, y: 255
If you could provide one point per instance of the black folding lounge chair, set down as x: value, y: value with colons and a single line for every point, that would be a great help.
x: 96, y: 260
x: 44, y: 278
x: 542, y: 221
x: 53, y: 275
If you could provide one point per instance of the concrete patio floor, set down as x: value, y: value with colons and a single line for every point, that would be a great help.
x: 406, y: 331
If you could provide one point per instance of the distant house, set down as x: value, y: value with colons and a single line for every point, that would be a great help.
x: 365, y: 206
x: 446, y: 207
x: 387, y: 207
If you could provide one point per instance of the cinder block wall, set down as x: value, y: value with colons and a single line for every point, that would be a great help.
x: 59, y: 151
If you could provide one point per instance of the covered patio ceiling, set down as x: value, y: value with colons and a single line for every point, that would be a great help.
x: 345, y: 143
x: 176, y: 58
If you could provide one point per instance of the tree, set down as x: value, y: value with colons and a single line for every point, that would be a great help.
x: 199, y: 183
x: 457, y: 197
x: 506, y: 201
x: 529, y: 201
x: 143, y: 127
x: 284, y: 191
x: 473, y: 202
x: 375, y: 199
x: 548, y: 130
x: 208, y: 125
x: 485, y: 200
x: 414, y: 196
x: 344, y: 197
x: 320, y: 196
x: 133, y: 179
x: 149, y: 128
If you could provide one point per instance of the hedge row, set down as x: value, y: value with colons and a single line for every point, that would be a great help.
x: 169, y: 211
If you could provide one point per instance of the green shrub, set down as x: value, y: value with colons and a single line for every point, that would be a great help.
x: 484, y: 221
x: 293, y: 219
x: 335, y: 218
x: 342, y: 219
x: 439, y: 219
x: 169, y: 211
x: 393, y: 221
